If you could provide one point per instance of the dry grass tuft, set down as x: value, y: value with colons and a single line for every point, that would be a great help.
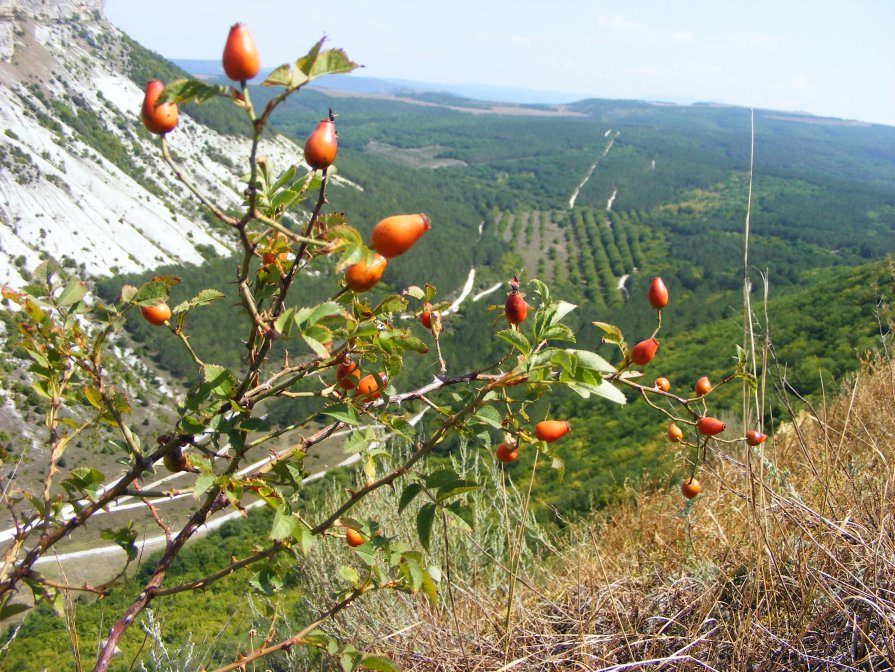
x: 786, y: 562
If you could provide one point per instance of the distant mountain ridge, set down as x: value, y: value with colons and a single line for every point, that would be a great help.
x: 375, y: 85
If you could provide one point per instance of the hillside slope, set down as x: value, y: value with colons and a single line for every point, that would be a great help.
x: 81, y: 181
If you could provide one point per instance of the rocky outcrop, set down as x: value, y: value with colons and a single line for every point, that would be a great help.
x: 80, y: 180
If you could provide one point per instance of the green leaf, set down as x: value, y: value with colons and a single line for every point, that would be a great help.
x: 284, y: 524
x: 463, y: 512
x: 458, y: 487
x: 74, y: 291
x: 429, y: 589
x: 516, y: 339
x: 151, y: 294
x: 286, y: 177
x: 390, y: 304
x: 94, y: 398
x: 609, y: 391
x: 220, y: 380
x: 441, y: 477
x: 409, y: 493
x: 281, y: 76
x: 592, y: 361
x: 343, y: 413
x: 415, y: 292
x: 562, y: 308
x: 42, y: 388
x: 412, y: 570
x: 424, y: 520
x: 304, y: 537
x: 203, y: 298
x: 349, y: 575
x: 125, y: 538
x: 83, y: 480
x: 319, y: 348
x: 10, y: 610
x: 255, y: 425
x: 490, y: 416
x: 203, y: 482
x: 313, y: 314
x: 329, y: 62
x: 558, y: 332
x: 128, y: 292
x: 378, y: 663
x: 191, y: 91
x: 266, y: 582
x: 612, y: 334
x: 284, y: 322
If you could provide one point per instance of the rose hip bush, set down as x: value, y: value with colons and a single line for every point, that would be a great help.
x: 349, y: 351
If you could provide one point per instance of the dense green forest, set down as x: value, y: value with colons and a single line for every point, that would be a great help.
x: 822, y: 230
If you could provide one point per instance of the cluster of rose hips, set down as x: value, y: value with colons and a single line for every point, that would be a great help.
x: 707, y: 426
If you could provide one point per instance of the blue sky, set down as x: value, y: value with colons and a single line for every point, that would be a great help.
x: 822, y: 57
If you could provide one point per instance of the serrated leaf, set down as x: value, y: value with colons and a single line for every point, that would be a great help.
x: 609, y: 391
x: 128, y: 292
x: 220, y: 380
x: 191, y: 91
x: 319, y: 348
x: 304, y: 537
x: 415, y: 292
x: 313, y: 314
x: 344, y: 413
x: 284, y: 322
x: 74, y: 291
x: 203, y: 482
x: 464, y: 512
x: 150, y: 294
x: 592, y: 361
x: 86, y: 480
x: 409, y: 493
x: 349, y: 575
x: 490, y: 416
x: 266, y: 582
x: 558, y: 332
x: 612, y: 334
x: 329, y: 62
x: 456, y: 488
x: 203, y: 298
x: 93, y: 397
x: 42, y: 388
x: 281, y: 76
x: 390, y: 304
x: 284, y: 524
x: 424, y: 520
x: 124, y: 537
x: 516, y: 339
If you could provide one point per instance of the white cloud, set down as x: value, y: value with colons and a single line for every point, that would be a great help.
x: 524, y: 40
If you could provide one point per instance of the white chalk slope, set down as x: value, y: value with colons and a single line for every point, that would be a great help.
x: 58, y: 194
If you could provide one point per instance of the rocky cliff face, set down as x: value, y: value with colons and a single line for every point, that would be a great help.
x: 80, y: 180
